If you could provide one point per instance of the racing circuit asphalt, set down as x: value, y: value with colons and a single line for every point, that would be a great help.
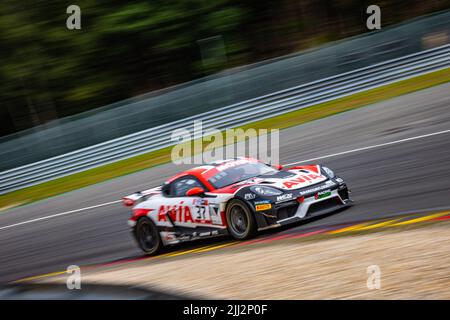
x: 409, y: 176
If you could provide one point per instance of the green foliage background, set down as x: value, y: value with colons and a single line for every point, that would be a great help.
x: 130, y: 47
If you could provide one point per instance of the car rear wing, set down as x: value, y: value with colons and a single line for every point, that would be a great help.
x: 135, y: 198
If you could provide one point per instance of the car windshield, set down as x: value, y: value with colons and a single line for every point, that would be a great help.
x: 235, y: 173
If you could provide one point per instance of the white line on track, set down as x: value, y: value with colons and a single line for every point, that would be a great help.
x: 59, y: 214
x: 288, y: 164
x: 371, y: 147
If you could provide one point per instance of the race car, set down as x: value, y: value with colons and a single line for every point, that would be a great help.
x: 239, y: 197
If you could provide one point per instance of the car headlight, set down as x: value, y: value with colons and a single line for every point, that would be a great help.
x: 266, y: 191
x: 328, y: 172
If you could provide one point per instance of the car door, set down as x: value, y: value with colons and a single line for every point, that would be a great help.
x: 191, y: 211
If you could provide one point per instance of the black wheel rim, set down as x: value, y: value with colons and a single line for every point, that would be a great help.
x: 148, y: 237
x: 238, y: 220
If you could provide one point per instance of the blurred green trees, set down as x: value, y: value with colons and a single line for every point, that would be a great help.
x: 125, y: 48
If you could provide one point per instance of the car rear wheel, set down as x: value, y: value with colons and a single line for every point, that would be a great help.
x: 240, y: 220
x: 147, y: 236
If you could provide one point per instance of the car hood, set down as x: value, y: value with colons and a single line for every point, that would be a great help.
x: 294, y: 179
x: 285, y: 180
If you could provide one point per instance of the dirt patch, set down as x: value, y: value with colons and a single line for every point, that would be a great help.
x: 414, y: 264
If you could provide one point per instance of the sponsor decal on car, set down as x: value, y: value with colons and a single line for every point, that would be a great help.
x: 262, y: 201
x: 182, y: 213
x: 326, y: 185
x: 262, y: 207
x: 179, y: 213
x: 284, y: 197
x: 323, y: 194
x: 249, y: 196
x: 301, y: 179
x: 231, y: 164
x: 200, y: 202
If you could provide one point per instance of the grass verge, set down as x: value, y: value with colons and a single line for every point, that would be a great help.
x: 123, y: 167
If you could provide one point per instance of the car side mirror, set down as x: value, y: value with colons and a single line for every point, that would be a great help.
x: 278, y: 166
x: 196, y: 191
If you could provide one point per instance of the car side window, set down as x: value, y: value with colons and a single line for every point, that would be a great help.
x: 181, y: 186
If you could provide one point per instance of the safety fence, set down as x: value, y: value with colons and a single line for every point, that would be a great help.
x: 230, y: 116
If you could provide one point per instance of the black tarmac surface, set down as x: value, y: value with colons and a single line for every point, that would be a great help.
x: 410, y: 176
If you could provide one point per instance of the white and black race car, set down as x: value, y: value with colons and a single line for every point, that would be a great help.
x: 237, y: 196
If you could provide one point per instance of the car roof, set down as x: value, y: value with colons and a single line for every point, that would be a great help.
x: 199, y: 171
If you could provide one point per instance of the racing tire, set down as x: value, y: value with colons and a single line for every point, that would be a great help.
x: 241, y: 223
x: 147, y: 236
